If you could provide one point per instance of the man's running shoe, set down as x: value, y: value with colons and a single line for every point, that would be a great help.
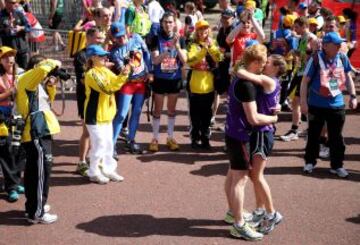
x: 308, y: 168
x: 47, y: 208
x: 124, y: 133
x: 113, y: 176
x: 45, y: 219
x: 100, y: 179
x: 324, y: 152
x: 81, y: 168
x: 290, y: 136
x: 267, y: 225
x: 172, y: 144
x: 245, y: 232
x: 341, y: 172
x: 230, y: 219
x: 257, y: 217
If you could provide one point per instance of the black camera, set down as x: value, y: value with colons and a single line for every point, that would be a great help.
x: 16, y: 125
x: 60, y: 73
x: 129, y: 57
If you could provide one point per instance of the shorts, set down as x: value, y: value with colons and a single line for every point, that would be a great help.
x: 165, y: 86
x: 261, y: 143
x: 238, y: 153
x: 56, y: 20
x: 295, y: 84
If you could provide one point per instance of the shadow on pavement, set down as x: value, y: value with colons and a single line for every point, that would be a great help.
x: 68, y: 181
x: 181, y: 157
x: 142, y: 225
x: 320, y: 173
x: 355, y: 220
x: 13, y: 218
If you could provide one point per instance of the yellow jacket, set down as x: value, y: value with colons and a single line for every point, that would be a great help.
x: 202, y: 79
x: 40, y: 120
x: 100, y: 85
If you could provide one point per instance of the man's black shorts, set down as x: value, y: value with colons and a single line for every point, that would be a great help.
x: 295, y: 84
x: 238, y: 153
x: 165, y: 86
x: 261, y: 143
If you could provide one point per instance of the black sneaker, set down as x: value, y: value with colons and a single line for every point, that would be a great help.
x: 205, y: 144
x: 195, y: 144
x: 133, y: 147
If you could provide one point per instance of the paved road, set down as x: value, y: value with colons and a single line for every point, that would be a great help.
x: 177, y: 198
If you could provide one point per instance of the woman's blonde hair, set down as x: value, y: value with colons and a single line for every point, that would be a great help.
x: 257, y: 52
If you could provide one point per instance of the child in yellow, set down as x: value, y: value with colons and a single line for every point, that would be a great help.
x: 99, y: 112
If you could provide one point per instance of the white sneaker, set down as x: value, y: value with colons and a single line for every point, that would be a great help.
x: 47, y: 208
x: 45, y: 219
x: 290, y: 136
x: 308, y: 168
x: 100, y: 179
x: 114, y: 177
x: 324, y: 151
x: 341, y: 172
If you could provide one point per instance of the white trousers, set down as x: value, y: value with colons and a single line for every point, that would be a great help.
x: 101, y: 149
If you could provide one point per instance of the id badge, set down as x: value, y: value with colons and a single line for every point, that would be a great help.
x: 334, y: 87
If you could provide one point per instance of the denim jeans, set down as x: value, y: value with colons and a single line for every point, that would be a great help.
x: 123, y: 105
x: 335, y: 119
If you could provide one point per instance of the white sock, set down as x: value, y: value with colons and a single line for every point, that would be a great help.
x: 171, y: 124
x: 270, y: 215
x: 240, y: 224
x: 156, y: 127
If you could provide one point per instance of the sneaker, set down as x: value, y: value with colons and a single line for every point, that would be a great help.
x: 230, y: 219
x: 245, y: 232
x: 100, y: 179
x: 114, y: 177
x: 45, y: 219
x: 124, y: 133
x: 154, y: 146
x: 172, y: 144
x: 205, y: 144
x: 290, y: 136
x: 47, y: 208
x: 133, y: 147
x: 257, y: 217
x: 308, y: 168
x: 13, y: 196
x: 324, y: 152
x: 341, y: 172
x: 82, y: 168
x: 20, y: 189
x: 267, y: 225
x: 195, y: 144
x: 212, y: 122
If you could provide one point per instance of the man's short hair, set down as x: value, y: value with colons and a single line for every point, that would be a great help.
x: 91, y: 32
x: 302, y: 21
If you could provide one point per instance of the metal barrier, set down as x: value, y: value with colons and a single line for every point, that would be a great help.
x: 72, y: 12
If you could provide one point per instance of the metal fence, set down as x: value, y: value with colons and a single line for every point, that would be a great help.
x: 72, y: 12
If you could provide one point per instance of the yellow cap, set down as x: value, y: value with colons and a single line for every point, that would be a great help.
x: 201, y: 24
x: 289, y: 20
x: 5, y: 50
x: 341, y: 19
x: 250, y: 4
x: 313, y: 21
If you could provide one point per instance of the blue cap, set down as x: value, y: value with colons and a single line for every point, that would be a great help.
x: 117, y: 29
x: 303, y: 6
x: 228, y: 13
x: 239, y: 9
x: 333, y: 37
x: 95, y: 49
x: 251, y: 42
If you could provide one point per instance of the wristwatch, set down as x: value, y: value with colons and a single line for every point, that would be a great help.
x: 352, y: 96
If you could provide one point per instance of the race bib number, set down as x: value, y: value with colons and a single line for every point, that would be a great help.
x: 169, y: 65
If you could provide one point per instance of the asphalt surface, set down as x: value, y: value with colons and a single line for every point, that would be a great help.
x: 178, y: 198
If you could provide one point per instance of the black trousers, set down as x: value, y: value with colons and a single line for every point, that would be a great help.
x: 200, y: 115
x: 37, y: 175
x: 335, y: 119
x: 10, y: 165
